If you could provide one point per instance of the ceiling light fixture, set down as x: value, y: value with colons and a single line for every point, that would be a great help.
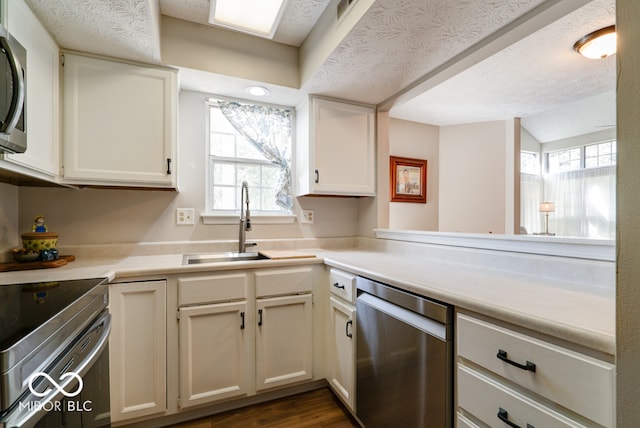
x: 257, y: 91
x: 257, y: 17
x: 599, y: 44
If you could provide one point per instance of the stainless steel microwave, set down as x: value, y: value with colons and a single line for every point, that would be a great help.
x: 13, y: 69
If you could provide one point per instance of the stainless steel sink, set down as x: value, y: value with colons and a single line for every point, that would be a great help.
x: 192, y: 259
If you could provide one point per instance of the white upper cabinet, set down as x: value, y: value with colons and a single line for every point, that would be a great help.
x: 119, y: 123
x: 42, y: 96
x: 335, y: 148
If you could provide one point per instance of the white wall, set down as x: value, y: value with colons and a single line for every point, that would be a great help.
x: 420, y: 141
x: 474, y: 181
x: 528, y: 142
x: 580, y: 140
x: 95, y: 216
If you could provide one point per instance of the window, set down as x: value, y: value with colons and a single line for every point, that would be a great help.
x: 249, y: 143
x: 601, y: 154
x: 581, y: 183
x: 529, y: 163
x: 584, y: 157
x: 564, y: 160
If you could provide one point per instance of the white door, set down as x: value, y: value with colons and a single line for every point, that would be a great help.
x: 215, y: 349
x: 118, y: 122
x: 342, y: 349
x: 137, y: 349
x: 344, y: 148
x: 283, y: 340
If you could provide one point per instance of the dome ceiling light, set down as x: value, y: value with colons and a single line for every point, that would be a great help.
x: 599, y: 44
x: 258, y: 91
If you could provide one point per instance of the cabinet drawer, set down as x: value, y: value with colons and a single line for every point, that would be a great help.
x: 342, y: 284
x: 464, y: 422
x: 492, y: 402
x: 213, y: 288
x: 576, y: 381
x: 275, y: 282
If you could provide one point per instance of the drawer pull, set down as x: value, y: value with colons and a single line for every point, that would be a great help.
x: 242, y: 318
x: 259, y: 317
x: 503, y: 415
x: 346, y: 327
x: 337, y: 285
x: 527, y: 366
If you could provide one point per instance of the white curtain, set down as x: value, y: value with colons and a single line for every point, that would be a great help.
x: 531, y: 196
x: 269, y: 130
x: 584, y: 201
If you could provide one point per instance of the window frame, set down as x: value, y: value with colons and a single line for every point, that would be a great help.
x: 211, y: 216
x: 583, y: 156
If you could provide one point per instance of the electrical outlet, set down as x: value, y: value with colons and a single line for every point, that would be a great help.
x: 307, y: 216
x: 185, y: 216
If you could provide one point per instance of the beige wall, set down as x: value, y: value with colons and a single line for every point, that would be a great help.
x: 207, y: 48
x: 475, y: 184
x: 95, y: 216
x: 415, y: 140
x: 9, y: 236
x: 628, y: 218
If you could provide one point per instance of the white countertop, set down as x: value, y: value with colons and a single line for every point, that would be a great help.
x: 566, y: 310
x: 563, y: 309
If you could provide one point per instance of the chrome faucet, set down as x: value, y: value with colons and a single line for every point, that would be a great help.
x: 245, y: 219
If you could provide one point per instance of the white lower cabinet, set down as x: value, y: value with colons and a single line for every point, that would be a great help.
x: 342, y: 345
x: 342, y: 351
x: 214, y: 353
x: 507, y: 377
x: 137, y: 349
x: 234, y: 340
x: 283, y: 340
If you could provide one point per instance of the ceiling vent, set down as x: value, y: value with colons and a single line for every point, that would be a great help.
x: 344, y: 6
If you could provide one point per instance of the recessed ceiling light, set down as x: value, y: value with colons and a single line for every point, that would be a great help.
x: 599, y: 44
x: 257, y: 91
x: 257, y: 17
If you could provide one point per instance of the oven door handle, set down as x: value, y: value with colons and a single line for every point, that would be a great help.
x: 32, y: 407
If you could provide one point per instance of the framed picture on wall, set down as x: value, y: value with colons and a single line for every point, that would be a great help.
x: 408, y: 178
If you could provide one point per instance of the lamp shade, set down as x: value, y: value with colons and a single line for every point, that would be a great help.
x: 547, y: 207
x: 599, y: 44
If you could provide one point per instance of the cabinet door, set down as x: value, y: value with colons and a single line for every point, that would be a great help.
x: 137, y: 352
x: 337, y: 155
x: 214, y: 353
x: 283, y: 340
x: 342, y: 351
x: 42, y: 96
x: 119, y: 123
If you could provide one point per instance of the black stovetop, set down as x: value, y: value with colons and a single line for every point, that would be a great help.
x: 25, y: 307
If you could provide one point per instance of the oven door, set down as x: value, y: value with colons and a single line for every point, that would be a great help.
x: 74, y: 390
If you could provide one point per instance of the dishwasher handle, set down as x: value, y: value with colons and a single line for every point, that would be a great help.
x: 427, y: 325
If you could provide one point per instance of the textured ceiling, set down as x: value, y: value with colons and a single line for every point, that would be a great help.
x: 126, y: 29
x: 540, y: 78
x: 398, y: 41
x: 395, y: 44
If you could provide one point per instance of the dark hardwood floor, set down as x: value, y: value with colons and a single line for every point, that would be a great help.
x: 314, y: 409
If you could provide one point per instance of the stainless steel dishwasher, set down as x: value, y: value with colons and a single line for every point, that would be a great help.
x: 404, y: 358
